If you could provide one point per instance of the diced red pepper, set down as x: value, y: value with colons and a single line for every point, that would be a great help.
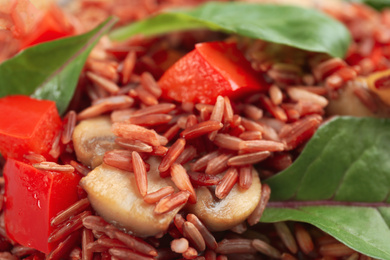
x: 23, y: 15
x: 27, y: 125
x: 53, y: 25
x: 378, y: 56
x: 33, y: 198
x: 211, y: 69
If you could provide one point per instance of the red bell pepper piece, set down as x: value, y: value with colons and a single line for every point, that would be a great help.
x: 53, y: 25
x: 23, y: 16
x: 211, y: 69
x: 27, y: 125
x: 33, y: 198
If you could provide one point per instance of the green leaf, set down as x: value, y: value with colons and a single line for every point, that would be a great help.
x: 377, y: 4
x: 341, y: 184
x: 50, y: 70
x: 302, y: 28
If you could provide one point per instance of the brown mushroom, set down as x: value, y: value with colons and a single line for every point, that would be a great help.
x: 227, y: 213
x: 92, y: 138
x: 348, y: 104
x: 114, y: 195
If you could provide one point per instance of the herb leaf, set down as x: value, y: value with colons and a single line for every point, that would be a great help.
x: 50, y: 70
x: 377, y: 4
x: 341, y: 184
x: 302, y: 28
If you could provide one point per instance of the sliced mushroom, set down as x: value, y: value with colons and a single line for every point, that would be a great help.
x: 92, y: 138
x: 379, y: 82
x: 219, y: 215
x: 348, y: 104
x: 114, y: 195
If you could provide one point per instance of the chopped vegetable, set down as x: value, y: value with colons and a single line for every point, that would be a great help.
x: 212, y: 165
x: 90, y: 146
x: 210, y: 70
x: 34, y: 197
x: 24, y: 16
x: 329, y: 189
x: 38, y: 71
x: 378, y: 83
x: 28, y: 125
x: 227, y: 213
x: 53, y: 25
x: 283, y: 24
x: 113, y: 193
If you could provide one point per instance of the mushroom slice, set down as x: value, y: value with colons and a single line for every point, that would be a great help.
x: 348, y: 104
x: 92, y: 138
x: 219, y: 215
x: 114, y: 195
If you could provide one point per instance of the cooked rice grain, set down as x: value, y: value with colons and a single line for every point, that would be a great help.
x: 173, y: 153
x: 150, y: 84
x: 102, y: 82
x: 87, y: 237
x: 150, y: 120
x: 140, y: 173
x: 227, y: 141
x: 133, y: 145
x: 206, y: 234
x: 250, y: 135
x: 266, y: 248
x: 255, y: 216
x: 226, y: 184
x: 228, y: 112
x: 304, y: 239
x: 187, y: 155
x: 335, y: 250
x: 145, y: 96
x: 171, y: 202
x: 249, y: 158
x: 73, y: 210
x: 260, y: 145
x: 182, y: 181
x: 128, y: 66
x: 201, y: 128
x: 68, y: 126
x: 135, y: 132
x: 218, y: 164
x: 52, y: 166
x: 72, y: 225
x: 235, y: 246
x: 179, y: 245
x: 276, y: 94
x: 127, y: 254
x: 286, y: 236
x: 194, y: 236
x: 190, y: 253
x: 245, y: 177
x: 201, y: 179
x: 154, y: 197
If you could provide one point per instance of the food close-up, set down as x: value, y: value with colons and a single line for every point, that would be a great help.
x: 194, y: 129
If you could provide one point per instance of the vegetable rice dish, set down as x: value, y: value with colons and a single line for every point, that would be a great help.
x: 197, y: 129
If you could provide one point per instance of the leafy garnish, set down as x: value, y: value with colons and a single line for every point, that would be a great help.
x: 306, y: 29
x: 377, y: 4
x: 50, y: 70
x: 341, y: 184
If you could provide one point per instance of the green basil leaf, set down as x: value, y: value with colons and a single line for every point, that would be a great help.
x: 50, y: 70
x: 377, y: 4
x: 341, y: 184
x: 306, y: 29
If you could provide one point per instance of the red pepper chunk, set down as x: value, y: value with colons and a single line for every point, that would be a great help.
x: 53, y: 25
x: 33, y: 198
x: 210, y: 70
x: 27, y: 125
